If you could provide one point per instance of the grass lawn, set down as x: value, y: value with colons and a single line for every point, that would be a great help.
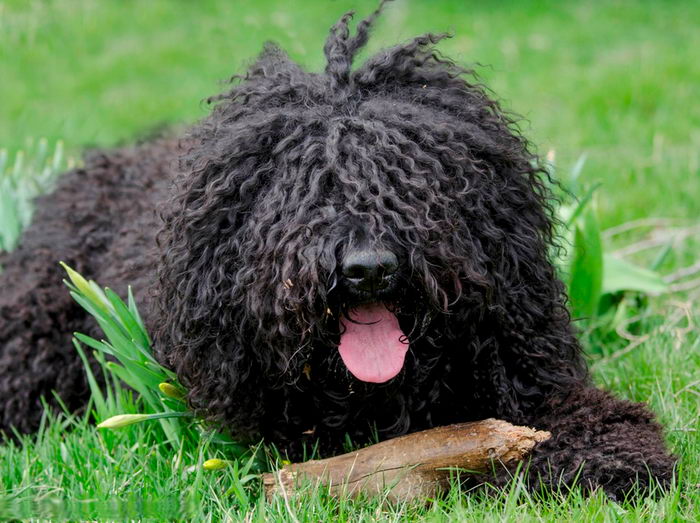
x: 615, y: 80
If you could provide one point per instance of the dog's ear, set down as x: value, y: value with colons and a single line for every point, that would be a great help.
x: 535, y: 347
x: 197, y: 324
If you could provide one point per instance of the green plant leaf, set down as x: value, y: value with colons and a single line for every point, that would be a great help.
x: 126, y: 318
x: 577, y: 169
x: 586, y: 268
x: 142, y: 379
x: 582, y: 205
x: 95, y: 390
x: 91, y: 342
x: 621, y: 275
x: 86, y: 288
x: 10, y: 226
x: 137, y: 316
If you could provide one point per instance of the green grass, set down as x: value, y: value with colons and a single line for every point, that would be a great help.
x: 81, y: 473
x: 616, y: 80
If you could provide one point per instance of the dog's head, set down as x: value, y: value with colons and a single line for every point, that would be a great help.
x: 366, y: 213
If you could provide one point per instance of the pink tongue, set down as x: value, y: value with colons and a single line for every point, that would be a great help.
x: 371, y: 345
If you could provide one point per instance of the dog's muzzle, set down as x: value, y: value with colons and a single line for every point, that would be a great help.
x: 372, y: 344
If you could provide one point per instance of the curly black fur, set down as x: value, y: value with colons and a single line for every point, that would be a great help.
x: 408, y: 152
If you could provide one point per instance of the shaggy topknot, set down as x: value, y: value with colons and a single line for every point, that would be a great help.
x: 291, y: 170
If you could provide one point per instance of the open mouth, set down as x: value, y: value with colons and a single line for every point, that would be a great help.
x: 372, y: 344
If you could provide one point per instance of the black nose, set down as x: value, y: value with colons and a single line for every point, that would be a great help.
x: 370, y: 269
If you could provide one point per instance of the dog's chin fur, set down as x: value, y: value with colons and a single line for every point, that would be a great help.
x: 408, y: 152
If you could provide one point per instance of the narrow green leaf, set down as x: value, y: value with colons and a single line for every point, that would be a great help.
x: 93, y: 343
x: 125, y: 376
x: 85, y: 303
x: 127, y: 320
x: 661, y: 257
x: 586, y: 269
x: 137, y: 316
x: 10, y: 225
x: 582, y: 205
x: 577, y: 169
x: 95, y: 390
x: 621, y: 275
x: 143, y: 380
x: 84, y: 287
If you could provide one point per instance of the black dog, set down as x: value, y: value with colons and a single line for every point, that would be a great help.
x: 354, y: 252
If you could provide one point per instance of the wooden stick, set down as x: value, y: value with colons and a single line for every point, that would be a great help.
x: 414, y: 466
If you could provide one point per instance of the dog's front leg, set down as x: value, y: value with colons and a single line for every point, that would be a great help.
x: 598, y: 441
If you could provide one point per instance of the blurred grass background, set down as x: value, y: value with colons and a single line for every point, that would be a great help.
x: 617, y: 80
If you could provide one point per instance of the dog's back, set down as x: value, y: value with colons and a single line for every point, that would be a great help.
x: 101, y: 220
